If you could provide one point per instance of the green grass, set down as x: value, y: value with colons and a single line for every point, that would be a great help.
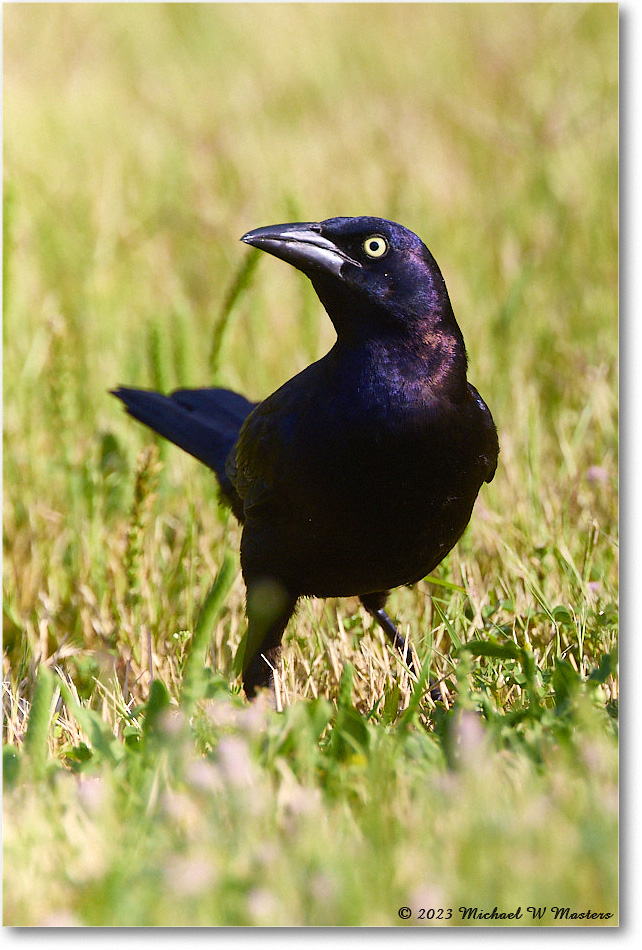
x: 141, y: 141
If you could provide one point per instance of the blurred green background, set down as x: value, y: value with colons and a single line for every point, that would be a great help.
x: 140, y: 142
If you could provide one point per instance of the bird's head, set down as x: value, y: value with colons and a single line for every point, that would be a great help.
x: 368, y: 272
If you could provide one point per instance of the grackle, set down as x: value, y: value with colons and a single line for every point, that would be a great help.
x: 360, y: 473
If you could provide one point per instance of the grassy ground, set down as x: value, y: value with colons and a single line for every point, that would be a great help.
x: 140, y: 143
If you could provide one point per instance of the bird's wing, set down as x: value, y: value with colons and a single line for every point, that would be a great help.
x: 258, y: 466
x: 490, y: 440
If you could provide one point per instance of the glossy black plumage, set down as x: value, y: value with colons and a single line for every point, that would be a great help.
x: 360, y: 473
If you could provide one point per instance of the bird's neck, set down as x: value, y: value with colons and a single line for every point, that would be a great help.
x: 428, y: 353
x: 422, y: 341
x: 432, y: 362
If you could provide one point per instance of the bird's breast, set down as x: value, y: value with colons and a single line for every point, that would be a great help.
x: 386, y: 462
x: 369, y: 493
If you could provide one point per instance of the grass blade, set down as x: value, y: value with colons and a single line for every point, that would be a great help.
x: 38, y: 726
x: 193, y: 681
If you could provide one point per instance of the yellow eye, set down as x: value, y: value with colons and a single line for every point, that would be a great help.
x: 375, y: 245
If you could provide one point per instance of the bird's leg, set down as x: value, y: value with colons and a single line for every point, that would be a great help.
x: 269, y: 607
x: 374, y: 604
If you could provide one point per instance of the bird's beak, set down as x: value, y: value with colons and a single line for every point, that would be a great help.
x: 301, y: 245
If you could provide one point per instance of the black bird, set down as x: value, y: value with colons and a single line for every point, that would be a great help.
x: 360, y: 473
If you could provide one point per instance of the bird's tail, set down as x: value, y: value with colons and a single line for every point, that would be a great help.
x: 203, y: 422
